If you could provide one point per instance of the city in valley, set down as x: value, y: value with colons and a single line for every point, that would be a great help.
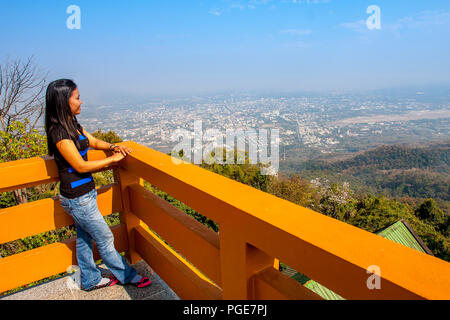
x: 310, y: 126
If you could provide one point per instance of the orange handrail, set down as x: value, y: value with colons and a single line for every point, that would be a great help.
x: 256, y: 230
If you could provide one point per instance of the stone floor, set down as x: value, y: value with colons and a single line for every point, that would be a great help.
x: 66, y: 288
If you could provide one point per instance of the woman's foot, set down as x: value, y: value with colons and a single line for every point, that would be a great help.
x: 143, y: 282
x: 138, y: 280
x: 105, y: 282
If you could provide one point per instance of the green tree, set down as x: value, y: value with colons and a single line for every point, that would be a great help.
x: 375, y: 213
x: 295, y: 189
x: 110, y: 136
x: 19, y: 141
x: 429, y: 211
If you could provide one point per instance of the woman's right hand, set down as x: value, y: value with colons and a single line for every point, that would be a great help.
x: 116, y: 157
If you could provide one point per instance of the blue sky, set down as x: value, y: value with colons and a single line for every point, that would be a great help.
x: 145, y: 48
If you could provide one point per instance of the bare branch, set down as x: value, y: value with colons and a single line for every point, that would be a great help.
x: 21, y: 92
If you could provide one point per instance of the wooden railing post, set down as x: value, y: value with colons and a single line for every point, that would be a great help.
x: 239, y: 262
x: 125, y: 179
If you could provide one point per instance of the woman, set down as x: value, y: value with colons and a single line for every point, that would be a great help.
x: 68, y: 142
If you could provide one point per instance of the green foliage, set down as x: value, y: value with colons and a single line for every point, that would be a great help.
x: 112, y: 219
x: 394, y: 171
x: 429, y: 212
x: 393, y: 157
x: 337, y: 201
x: 244, y: 173
x: 19, y: 142
x: 103, y: 178
x: 375, y: 213
x: 295, y: 189
x: 7, y: 200
x: 110, y: 136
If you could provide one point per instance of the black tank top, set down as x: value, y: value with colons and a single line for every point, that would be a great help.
x: 73, y: 184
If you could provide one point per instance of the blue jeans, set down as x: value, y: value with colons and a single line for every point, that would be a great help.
x: 90, y: 225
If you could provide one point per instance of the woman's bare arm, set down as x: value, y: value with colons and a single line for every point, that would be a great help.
x: 70, y: 152
x: 102, y: 145
x: 96, y: 143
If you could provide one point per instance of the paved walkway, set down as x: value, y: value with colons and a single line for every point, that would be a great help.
x: 66, y: 289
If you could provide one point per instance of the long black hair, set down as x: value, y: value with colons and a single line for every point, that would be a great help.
x: 57, y: 110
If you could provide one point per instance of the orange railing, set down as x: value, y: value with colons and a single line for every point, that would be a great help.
x: 256, y: 231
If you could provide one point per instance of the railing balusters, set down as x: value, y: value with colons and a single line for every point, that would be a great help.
x: 125, y: 179
x: 239, y: 262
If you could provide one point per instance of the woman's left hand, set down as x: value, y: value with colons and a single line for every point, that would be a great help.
x: 123, y: 149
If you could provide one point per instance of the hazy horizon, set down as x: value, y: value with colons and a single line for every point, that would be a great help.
x: 141, y: 49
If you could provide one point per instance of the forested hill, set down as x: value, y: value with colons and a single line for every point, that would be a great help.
x: 393, y: 171
x: 434, y: 157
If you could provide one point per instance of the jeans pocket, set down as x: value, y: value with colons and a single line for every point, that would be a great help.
x: 65, y: 204
x: 85, y: 199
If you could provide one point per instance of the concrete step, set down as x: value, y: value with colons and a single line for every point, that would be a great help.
x: 66, y: 288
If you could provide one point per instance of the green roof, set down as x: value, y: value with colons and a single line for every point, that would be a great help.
x: 325, y: 293
x: 400, y: 232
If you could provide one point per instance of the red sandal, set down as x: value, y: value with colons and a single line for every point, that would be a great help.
x: 144, y: 282
x: 114, y: 280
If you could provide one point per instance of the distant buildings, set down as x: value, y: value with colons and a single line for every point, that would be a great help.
x: 326, y: 124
